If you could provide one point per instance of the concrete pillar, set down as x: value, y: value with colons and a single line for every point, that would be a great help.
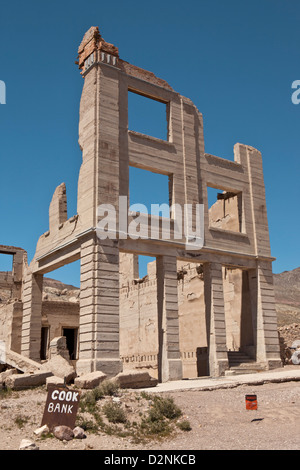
x: 32, y: 316
x: 246, y: 322
x: 215, y: 318
x: 169, y: 361
x: 17, y: 274
x: 264, y: 315
x: 99, y: 307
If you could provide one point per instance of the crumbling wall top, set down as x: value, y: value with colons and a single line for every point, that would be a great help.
x: 92, y: 41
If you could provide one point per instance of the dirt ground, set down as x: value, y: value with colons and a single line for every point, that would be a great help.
x: 219, y: 421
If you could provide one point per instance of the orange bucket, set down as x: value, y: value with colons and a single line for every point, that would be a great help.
x: 251, y: 402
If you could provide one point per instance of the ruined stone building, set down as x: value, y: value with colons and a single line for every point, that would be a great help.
x: 197, y: 312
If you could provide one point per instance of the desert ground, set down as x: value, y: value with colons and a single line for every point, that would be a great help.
x: 219, y: 421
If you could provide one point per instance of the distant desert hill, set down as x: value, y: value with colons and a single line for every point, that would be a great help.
x: 48, y: 282
x: 287, y: 296
x: 57, y: 290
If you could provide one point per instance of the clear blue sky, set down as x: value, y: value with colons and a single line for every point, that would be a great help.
x: 236, y: 60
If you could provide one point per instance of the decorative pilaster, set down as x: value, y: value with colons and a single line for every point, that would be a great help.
x: 32, y: 316
x: 215, y: 318
x: 99, y: 307
x: 170, y: 365
x: 265, y: 316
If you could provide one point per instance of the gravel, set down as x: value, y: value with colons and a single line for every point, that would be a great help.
x: 219, y: 421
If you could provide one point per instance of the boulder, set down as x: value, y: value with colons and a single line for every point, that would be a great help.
x: 79, y: 433
x: 135, y: 379
x: 42, y: 431
x: 27, y: 444
x: 90, y: 380
x: 63, y: 433
x: 296, y: 344
x: 296, y: 357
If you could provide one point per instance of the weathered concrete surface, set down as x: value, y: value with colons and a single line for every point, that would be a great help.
x: 54, y: 381
x: 135, y: 379
x: 60, y: 367
x: 22, y: 363
x: 58, y: 346
x: 236, y: 233
x: 5, y: 374
x: 212, y: 383
x: 23, y: 381
x: 91, y: 380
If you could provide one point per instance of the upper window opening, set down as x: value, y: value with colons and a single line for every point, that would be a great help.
x: 225, y: 209
x: 143, y: 264
x: 151, y: 190
x: 147, y: 116
x: 6, y: 262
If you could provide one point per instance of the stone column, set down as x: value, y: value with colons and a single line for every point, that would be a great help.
x: 264, y: 315
x: 99, y: 308
x: 18, y: 274
x: 169, y: 361
x: 215, y: 319
x: 32, y: 316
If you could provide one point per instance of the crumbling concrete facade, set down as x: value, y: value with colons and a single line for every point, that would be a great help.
x: 238, y: 242
x: 139, y: 321
x: 56, y: 315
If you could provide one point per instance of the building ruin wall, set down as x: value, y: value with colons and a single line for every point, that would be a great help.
x: 233, y: 238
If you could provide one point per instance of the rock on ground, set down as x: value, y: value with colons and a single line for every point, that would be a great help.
x: 27, y: 444
x: 63, y: 433
x: 79, y: 433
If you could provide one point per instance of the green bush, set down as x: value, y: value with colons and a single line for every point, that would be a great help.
x: 165, y: 407
x: 5, y: 392
x: 155, y: 427
x: 108, y: 388
x: 114, y: 413
x: 184, y: 425
x: 21, y: 420
x: 157, y: 422
x: 88, y: 400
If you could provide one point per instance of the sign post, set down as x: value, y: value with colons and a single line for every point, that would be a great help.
x: 61, y: 407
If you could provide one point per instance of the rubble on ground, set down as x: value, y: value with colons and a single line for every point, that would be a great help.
x: 288, y: 335
x: 135, y: 379
x: 91, y: 380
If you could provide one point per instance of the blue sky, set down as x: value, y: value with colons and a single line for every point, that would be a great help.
x: 236, y: 60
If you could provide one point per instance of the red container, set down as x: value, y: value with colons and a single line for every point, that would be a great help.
x: 251, y: 402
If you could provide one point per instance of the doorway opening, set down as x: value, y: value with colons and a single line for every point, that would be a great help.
x: 238, y: 313
x: 138, y: 313
x: 71, y: 335
x: 192, y: 319
x: 44, y: 342
x: 60, y: 307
